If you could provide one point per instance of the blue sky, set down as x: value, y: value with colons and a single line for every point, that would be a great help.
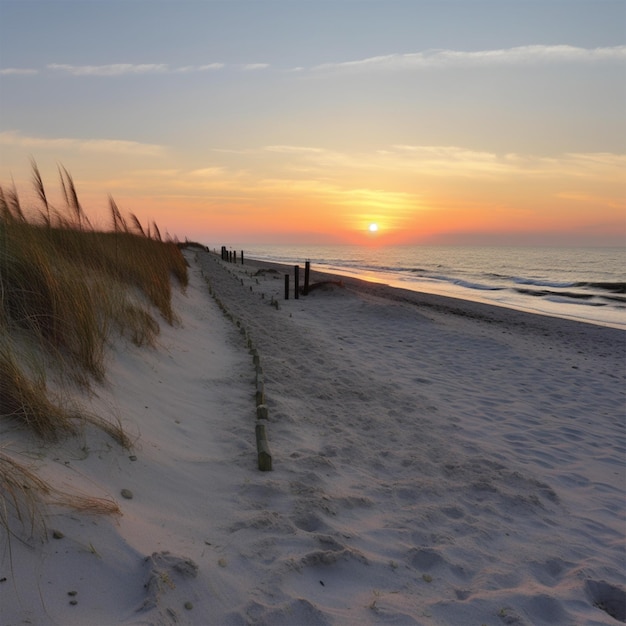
x: 306, y: 120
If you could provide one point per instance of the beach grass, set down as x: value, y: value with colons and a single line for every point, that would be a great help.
x: 66, y: 290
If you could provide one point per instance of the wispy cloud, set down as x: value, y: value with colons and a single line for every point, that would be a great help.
x: 208, y: 172
x: 16, y: 71
x: 117, y: 146
x: 254, y: 66
x: 115, y: 69
x: 522, y: 55
x: 199, y: 68
x: 286, y: 149
x: 122, y: 69
x: 135, y: 69
x: 458, y: 161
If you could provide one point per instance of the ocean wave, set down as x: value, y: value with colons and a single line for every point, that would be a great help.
x: 479, y: 286
x: 542, y: 283
x: 564, y: 300
x: 613, y: 287
x: 459, y: 282
x: 575, y: 297
x: 543, y: 293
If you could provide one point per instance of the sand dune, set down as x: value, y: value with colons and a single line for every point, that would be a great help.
x: 434, y: 462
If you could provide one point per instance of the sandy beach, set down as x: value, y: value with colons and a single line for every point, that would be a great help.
x: 434, y: 461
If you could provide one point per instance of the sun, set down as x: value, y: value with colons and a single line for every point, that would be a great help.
x: 373, y: 228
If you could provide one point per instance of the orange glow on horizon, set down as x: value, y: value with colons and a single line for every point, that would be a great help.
x: 216, y: 204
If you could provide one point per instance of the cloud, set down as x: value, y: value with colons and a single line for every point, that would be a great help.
x: 443, y: 161
x: 254, y: 66
x: 16, y: 71
x: 123, y: 69
x: 208, y: 172
x: 199, y: 68
x: 116, y: 69
x: 116, y: 146
x: 295, y: 149
x: 210, y: 66
x: 133, y: 69
x: 522, y: 55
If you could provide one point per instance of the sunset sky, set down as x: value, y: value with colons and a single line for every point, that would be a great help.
x: 303, y: 121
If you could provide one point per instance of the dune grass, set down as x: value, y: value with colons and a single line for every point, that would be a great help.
x: 25, y: 497
x: 67, y: 289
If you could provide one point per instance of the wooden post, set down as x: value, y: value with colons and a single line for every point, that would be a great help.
x: 286, y: 286
x: 263, y: 449
x: 235, y: 257
x: 296, y: 278
x: 307, y: 271
x: 242, y: 257
x: 260, y: 388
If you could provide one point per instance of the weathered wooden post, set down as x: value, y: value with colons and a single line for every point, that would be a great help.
x: 235, y: 257
x: 286, y: 286
x: 296, y: 278
x: 242, y: 257
x: 307, y: 271
x: 263, y: 449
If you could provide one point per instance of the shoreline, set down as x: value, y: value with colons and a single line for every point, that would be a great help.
x: 569, y: 290
x: 488, y: 312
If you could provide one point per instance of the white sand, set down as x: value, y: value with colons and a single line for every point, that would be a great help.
x: 434, y: 462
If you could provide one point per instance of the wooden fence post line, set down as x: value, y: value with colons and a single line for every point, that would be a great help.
x: 296, y: 278
x: 307, y: 271
x: 286, y: 286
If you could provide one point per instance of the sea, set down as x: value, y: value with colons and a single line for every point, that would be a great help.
x: 584, y: 284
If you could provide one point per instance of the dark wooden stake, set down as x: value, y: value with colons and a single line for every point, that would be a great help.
x: 296, y: 278
x: 286, y: 286
x: 307, y: 271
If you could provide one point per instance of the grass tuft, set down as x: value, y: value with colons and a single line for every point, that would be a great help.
x: 25, y: 497
x: 26, y: 401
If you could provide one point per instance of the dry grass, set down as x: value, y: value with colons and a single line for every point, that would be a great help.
x: 65, y: 289
x: 25, y: 497
x: 25, y: 400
